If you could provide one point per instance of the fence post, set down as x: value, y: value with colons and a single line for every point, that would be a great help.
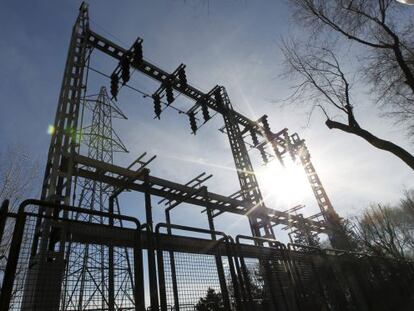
x: 111, y: 272
x: 229, y: 243
x: 150, y: 250
x: 245, y: 294
x: 161, y: 277
x: 11, y: 267
x: 172, y: 264
x: 138, y: 272
x: 218, y: 259
x: 246, y: 278
x: 222, y: 277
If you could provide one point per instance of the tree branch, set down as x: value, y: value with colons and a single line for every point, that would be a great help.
x: 379, y: 143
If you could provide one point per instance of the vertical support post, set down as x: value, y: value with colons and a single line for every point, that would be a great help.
x: 11, y: 267
x: 290, y: 237
x: 139, y: 295
x: 151, y: 254
x: 111, y: 274
x: 222, y: 278
x: 210, y: 216
x: 236, y: 286
x: 219, y: 261
x: 246, y: 279
x: 269, y: 282
x: 160, y: 260
x: 172, y: 263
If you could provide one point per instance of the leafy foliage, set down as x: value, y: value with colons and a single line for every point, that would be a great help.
x: 211, y: 302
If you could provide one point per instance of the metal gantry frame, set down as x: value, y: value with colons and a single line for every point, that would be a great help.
x: 217, y: 100
x: 250, y: 273
x: 64, y: 163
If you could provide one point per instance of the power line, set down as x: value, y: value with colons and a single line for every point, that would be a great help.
x: 106, y: 31
x: 144, y: 94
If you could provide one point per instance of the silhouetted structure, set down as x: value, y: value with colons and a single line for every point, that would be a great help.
x: 180, y: 268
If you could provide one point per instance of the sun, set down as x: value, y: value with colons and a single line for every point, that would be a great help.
x: 283, y: 187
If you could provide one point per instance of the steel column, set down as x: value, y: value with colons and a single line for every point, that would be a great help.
x: 151, y: 255
x: 172, y: 263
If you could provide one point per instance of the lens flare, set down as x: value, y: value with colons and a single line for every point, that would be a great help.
x: 409, y: 2
x: 51, y: 129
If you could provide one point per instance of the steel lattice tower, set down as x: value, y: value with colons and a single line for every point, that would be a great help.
x: 97, y: 276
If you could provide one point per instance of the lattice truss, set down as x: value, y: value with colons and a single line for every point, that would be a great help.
x: 87, y: 178
x: 237, y: 127
x: 90, y: 266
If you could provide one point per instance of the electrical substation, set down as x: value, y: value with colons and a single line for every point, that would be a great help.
x: 73, y: 249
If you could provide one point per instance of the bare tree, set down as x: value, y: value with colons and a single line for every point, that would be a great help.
x: 19, y: 173
x: 387, y: 231
x: 407, y: 204
x: 384, y: 58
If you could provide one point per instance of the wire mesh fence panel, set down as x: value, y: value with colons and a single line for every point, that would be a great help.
x: 277, y: 286
x: 124, y: 279
x: 5, y: 243
x: 99, y: 274
x: 309, y: 286
x: 281, y: 276
x: 267, y: 279
x: 232, y: 284
x: 365, y: 283
x: 98, y: 277
x: 255, y: 284
x: 78, y: 266
x: 102, y: 271
x: 345, y: 282
x: 323, y: 282
x: 342, y: 287
x: 391, y: 283
x: 21, y: 281
x: 403, y: 272
x: 196, y: 279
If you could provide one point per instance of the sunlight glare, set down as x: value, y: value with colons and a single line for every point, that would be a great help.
x: 283, y: 187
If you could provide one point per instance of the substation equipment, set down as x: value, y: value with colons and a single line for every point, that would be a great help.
x: 83, y: 254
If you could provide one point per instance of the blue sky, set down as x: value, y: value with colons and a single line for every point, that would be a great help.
x: 232, y: 43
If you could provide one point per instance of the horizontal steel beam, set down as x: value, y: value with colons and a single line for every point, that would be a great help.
x: 110, y: 174
x: 89, y: 233
x: 112, y: 49
x: 223, y: 204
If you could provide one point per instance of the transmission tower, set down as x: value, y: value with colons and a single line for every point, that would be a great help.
x: 97, y: 276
